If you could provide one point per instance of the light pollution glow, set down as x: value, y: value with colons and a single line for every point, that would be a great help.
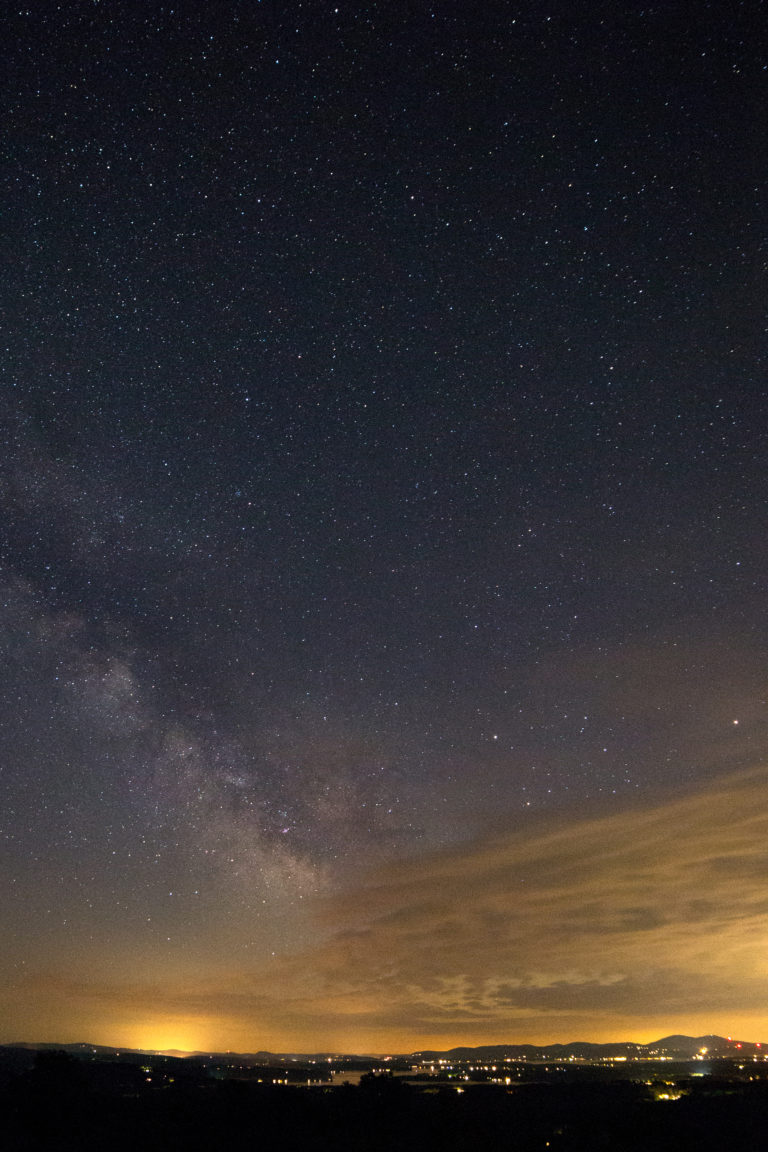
x: 618, y: 926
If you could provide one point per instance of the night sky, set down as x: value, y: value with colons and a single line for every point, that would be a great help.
x: 383, y: 509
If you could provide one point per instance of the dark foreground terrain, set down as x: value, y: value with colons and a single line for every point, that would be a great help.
x: 55, y: 1102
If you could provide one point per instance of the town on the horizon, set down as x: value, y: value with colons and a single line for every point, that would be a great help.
x: 709, y: 1092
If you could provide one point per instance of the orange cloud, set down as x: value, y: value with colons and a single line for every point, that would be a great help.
x: 627, y: 925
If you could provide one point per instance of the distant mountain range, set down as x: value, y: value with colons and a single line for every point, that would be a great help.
x: 669, y: 1047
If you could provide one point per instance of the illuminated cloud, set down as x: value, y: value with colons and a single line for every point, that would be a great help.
x: 620, y: 921
x: 621, y: 925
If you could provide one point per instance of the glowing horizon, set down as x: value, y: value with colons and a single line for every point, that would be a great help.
x: 615, y: 925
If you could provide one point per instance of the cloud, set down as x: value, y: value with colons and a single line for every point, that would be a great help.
x: 628, y: 924
x: 618, y: 920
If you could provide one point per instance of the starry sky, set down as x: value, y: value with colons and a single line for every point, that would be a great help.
x: 382, y: 509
